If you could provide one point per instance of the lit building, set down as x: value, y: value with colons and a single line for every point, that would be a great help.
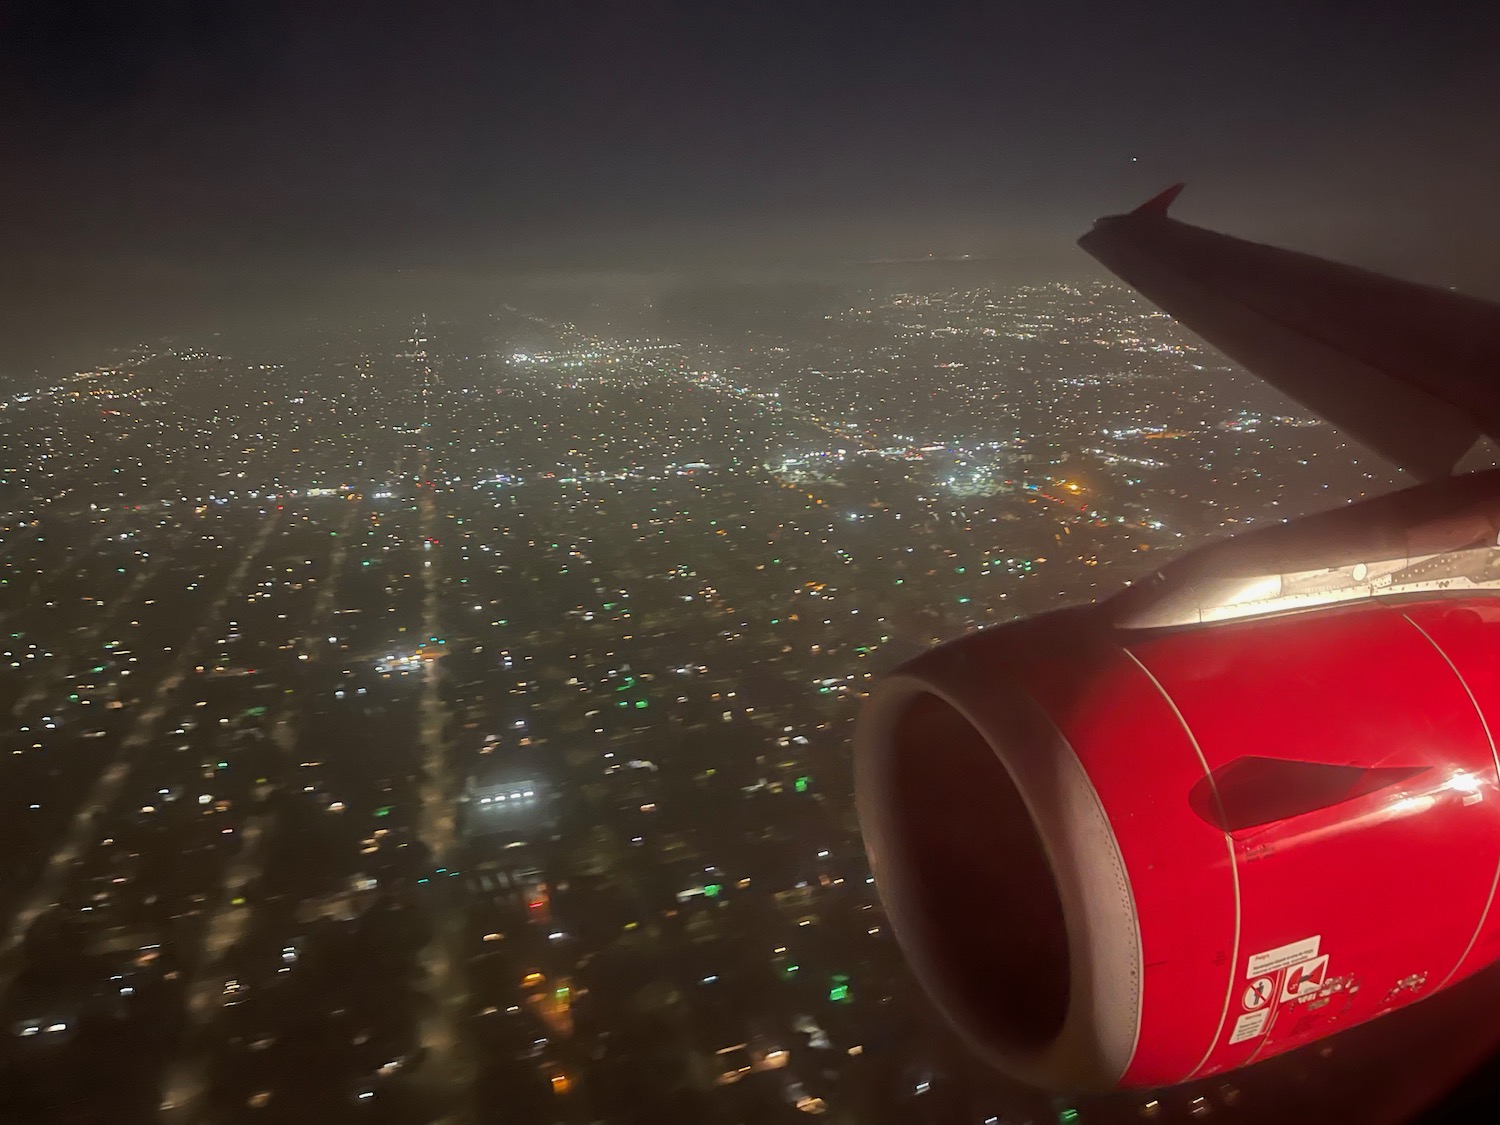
x: 519, y: 807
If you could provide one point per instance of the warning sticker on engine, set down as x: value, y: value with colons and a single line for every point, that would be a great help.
x: 1259, y: 993
x: 1304, y: 979
x: 1283, y: 956
x: 1249, y: 1025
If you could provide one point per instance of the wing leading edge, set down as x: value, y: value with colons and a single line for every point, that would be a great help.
x: 1411, y: 371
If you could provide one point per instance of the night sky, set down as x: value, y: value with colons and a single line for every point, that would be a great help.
x: 153, y: 154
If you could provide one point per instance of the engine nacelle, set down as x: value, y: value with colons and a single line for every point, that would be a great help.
x: 1128, y: 857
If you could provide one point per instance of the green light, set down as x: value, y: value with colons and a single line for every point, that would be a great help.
x: 640, y: 704
x: 790, y: 969
x: 1067, y: 1116
x: 223, y: 765
x: 383, y: 810
x: 712, y: 889
x: 839, y: 993
x: 801, y: 784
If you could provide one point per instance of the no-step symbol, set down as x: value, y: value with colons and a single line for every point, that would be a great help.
x: 1304, y: 979
x: 1258, y: 993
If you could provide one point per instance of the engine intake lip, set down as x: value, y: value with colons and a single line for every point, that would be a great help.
x: 955, y: 767
x: 992, y: 933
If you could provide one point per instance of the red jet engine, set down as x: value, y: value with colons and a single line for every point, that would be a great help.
x: 1241, y: 806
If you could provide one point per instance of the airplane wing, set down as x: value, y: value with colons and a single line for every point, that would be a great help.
x: 1410, y: 370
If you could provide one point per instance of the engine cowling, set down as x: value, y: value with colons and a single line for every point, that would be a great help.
x: 1132, y: 857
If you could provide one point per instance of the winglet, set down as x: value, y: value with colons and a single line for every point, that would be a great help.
x: 1158, y: 204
